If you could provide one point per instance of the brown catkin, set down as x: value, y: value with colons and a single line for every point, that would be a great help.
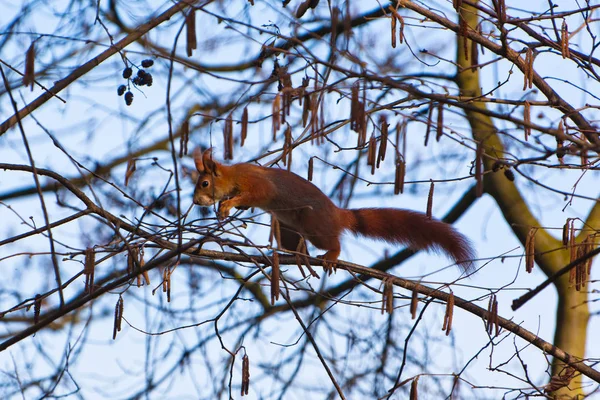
x: 89, y: 269
x: 560, y: 149
x: 572, y: 251
x: 244, y: 127
x: 118, y: 317
x: 129, y: 170
x: 528, y: 69
x: 29, y: 75
x: 492, y: 318
x: 362, y: 124
x: 585, y: 267
x: 37, y: 307
x: 190, y: 24
x: 580, y: 269
x: 275, y: 278
x: 430, y: 200
x: 387, y: 296
x: 566, y: 231
x: 245, y: 375
x: 354, y: 106
x: 383, y: 141
x: 564, y: 40
x: 306, y: 107
x: 414, y: 302
x: 383, y: 296
x: 393, y: 29
x: 285, y: 101
x: 440, y: 122
x: 275, y: 271
x: 527, y: 119
x: 372, y: 154
x: 131, y: 259
x: 429, y: 123
x: 530, y: 249
x: 166, y: 286
x: 184, y: 137
x: 390, y: 297
x: 495, y: 313
x: 228, y: 137
x: 414, y: 395
x: 479, y: 169
x: 399, y: 177
x: 276, y: 114
x: 401, y: 137
x: 447, y: 326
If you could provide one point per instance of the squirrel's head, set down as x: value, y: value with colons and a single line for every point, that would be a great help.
x: 210, y: 187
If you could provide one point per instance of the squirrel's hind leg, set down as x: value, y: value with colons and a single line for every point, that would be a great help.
x: 333, y: 247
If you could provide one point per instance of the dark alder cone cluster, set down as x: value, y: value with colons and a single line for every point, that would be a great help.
x: 142, y: 78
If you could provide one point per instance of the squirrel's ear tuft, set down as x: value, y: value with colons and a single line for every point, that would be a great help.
x: 198, y: 160
x: 209, y: 165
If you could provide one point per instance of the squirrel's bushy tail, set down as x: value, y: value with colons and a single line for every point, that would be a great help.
x: 412, y: 229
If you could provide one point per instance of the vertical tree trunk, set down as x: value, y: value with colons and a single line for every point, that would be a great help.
x: 572, y: 312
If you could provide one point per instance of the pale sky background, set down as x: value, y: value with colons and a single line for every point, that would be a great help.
x: 95, y: 125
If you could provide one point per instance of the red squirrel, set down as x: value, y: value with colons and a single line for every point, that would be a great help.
x: 302, y: 209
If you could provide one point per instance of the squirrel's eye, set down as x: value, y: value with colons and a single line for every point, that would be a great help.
x: 204, y: 183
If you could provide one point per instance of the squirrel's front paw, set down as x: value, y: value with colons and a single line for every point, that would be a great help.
x: 224, y: 210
